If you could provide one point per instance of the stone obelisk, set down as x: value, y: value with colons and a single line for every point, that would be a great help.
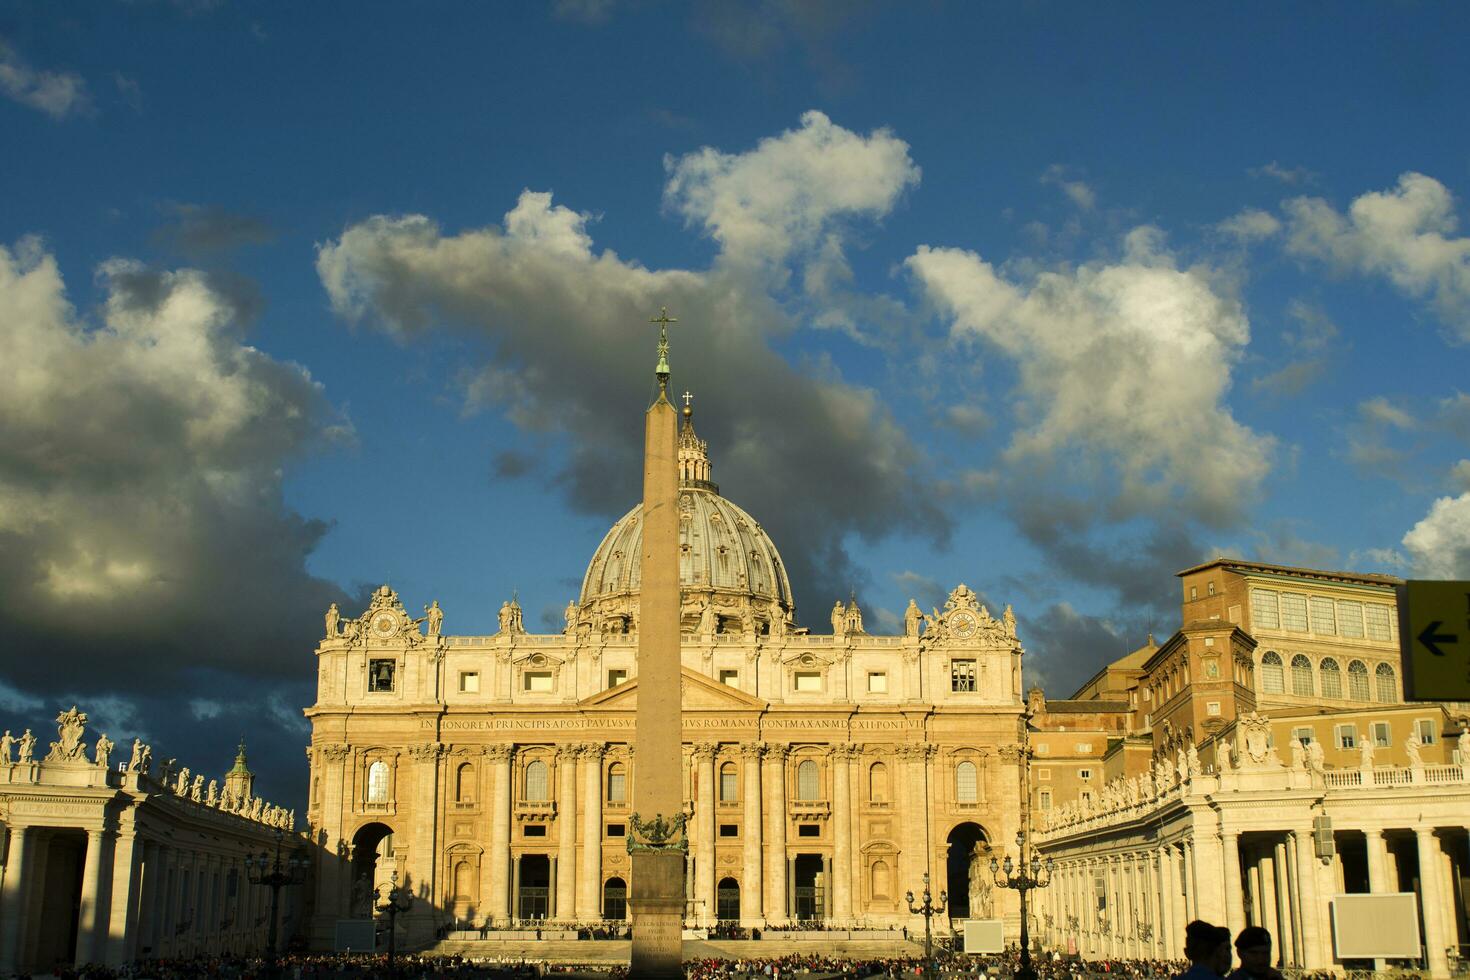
x: 658, y: 843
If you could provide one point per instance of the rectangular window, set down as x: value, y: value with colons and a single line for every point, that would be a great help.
x: 1086, y: 796
x: 1347, y: 736
x: 1043, y: 749
x: 617, y: 676
x: 1376, y: 618
x: 1265, y: 612
x: 729, y: 830
x: 537, y: 681
x: 1294, y: 612
x: 617, y: 786
x: 1083, y: 747
x: 1302, y: 735
x: 1213, y: 709
x: 1084, y: 773
x: 617, y: 830
x: 1043, y: 775
x: 808, y: 681
x: 730, y: 678
x: 1045, y: 797
x: 469, y: 682
x: 1324, y: 615
x: 1350, y: 618
x: 380, y: 675
x: 877, y: 682
x: 1382, y: 735
x: 535, y: 830
x: 962, y: 675
x: 808, y: 830
x: 1425, y: 728
x: 1193, y: 592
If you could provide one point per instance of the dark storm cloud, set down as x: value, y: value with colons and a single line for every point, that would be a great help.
x: 198, y: 230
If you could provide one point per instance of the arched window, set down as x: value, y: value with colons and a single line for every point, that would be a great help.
x: 615, y: 899
x: 617, y: 783
x: 464, y: 882
x: 378, y: 782
x: 729, y: 787
x: 806, y: 780
x: 878, y: 783
x: 1272, y: 679
x: 882, y: 879
x: 1385, y: 682
x: 536, y: 783
x: 1358, y: 680
x: 965, y: 790
x: 1331, y: 678
x: 464, y: 783
x: 1301, y: 676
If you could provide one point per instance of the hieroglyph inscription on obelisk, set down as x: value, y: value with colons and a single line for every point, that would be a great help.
x: 657, y: 841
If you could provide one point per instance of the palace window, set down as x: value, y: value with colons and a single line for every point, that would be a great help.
x: 1358, y: 680
x: 1043, y: 775
x: 617, y: 783
x: 966, y: 785
x: 1045, y: 798
x: 377, y: 782
x: 962, y: 675
x: 730, y: 678
x: 1302, y: 735
x: 807, y: 681
x: 380, y: 675
x: 1347, y: 736
x: 1385, y: 682
x: 1294, y: 612
x: 469, y: 682
x: 1213, y: 709
x: 1350, y: 619
x: 1382, y: 736
x: 1272, y: 679
x: 1301, y: 676
x: 1265, y: 611
x: 877, y: 682
x: 1331, y: 679
x: 1425, y: 728
x: 537, y: 790
x: 878, y: 783
x: 729, y: 792
x: 1084, y: 773
x: 617, y: 676
x: 1324, y: 615
x: 806, y: 780
x: 1375, y: 616
x: 537, y: 681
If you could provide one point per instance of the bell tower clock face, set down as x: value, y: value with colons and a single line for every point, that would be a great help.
x: 384, y: 624
x: 963, y: 624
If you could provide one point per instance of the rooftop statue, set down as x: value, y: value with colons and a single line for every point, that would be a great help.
x: 70, y: 727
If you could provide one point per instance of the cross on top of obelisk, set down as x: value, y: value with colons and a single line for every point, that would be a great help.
x: 663, y: 320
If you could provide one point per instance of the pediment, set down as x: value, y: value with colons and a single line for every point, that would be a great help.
x: 700, y: 694
x: 537, y: 658
x: 806, y: 658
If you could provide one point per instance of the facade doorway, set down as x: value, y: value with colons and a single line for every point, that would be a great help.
x: 808, y: 898
x: 534, y: 893
x: 372, y: 864
x: 968, y: 899
x: 727, y: 900
x: 615, y: 899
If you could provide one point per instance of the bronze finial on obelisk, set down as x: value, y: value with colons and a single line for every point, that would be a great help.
x: 656, y: 840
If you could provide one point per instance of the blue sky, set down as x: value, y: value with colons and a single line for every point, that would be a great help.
x: 1050, y: 299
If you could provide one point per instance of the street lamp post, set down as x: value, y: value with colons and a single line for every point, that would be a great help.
x: 274, y: 873
x: 928, y: 910
x: 392, y: 901
x: 1023, y: 878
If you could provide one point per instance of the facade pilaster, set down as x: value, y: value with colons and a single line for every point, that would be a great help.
x: 777, y: 910
x: 331, y: 767
x: 703, y: 757
x: 751, y: 882
x: 589, y: 877
x: 566, y: 833
x: 1430, y: 897
x: 423, y: 849
x: 842, y: 832
x: 500, y: 856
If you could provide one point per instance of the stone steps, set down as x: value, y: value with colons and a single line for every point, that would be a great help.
x: 609, y: 951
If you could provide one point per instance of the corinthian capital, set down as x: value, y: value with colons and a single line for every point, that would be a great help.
x: 499, y: 752
x: 702, y: 751
x: 426, y: 751
x: 752, y: 750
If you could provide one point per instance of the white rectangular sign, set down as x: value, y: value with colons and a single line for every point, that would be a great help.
x: 1371, y: 927
x: 984, y: 936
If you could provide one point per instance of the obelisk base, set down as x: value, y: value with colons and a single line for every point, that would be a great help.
x: 656, y: 901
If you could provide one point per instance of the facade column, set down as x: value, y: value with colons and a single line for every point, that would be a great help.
x: 589, y: 877
x: 566, y: 833
x: 89, y: 916
x: 1286, y: 926
x: 777, y: 908
x: 14, y: 902
x: 751, y: 906
x: 499, y: 856
x: 1314, y: 956
x: 1430, y: 898
x: 842, y: 836
x: 1230, y: 862
x: 703, y: 756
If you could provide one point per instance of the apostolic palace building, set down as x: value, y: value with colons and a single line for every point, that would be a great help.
x: 825, y: 774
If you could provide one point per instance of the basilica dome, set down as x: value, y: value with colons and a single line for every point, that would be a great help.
x: 731, y: 577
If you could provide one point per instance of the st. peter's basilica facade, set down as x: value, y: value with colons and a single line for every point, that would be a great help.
x: 825, y: 774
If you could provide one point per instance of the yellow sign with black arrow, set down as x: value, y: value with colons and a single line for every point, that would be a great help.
x: 1434, y: 636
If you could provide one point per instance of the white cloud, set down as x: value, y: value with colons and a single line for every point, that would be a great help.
x: 788, y: 194
x: 1123, y: 366
x: 1382, y: 411
x: 1077, y: 191
x: 1405, y: 234
x: 1460, y: 475
x: 1287, y: 175
x: 1439, y: 545
x: 58, y: 94
x: 1250, y: 225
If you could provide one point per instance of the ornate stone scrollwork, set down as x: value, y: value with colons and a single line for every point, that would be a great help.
x: 658, y: 834
x: 334, y: 751
x: 846, y: 751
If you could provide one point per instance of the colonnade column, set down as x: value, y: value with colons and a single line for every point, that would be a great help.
x: 1153, y: 864
x: 1285, y: 925
x: 590, y: 877
x: 751, y: 906
x: 703, y: 755
x: 147, y: 922
x: 566, y: 833
x: 777, y: 909
x: 842, y: 756
x: 1313, y: 955
x: 1430, y: 897
x: 117, y: 939
x: 13, y: 903
x: 88, y: 915
x: 500, y: 802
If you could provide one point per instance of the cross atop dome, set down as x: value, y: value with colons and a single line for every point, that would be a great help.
x: 694, y: 468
